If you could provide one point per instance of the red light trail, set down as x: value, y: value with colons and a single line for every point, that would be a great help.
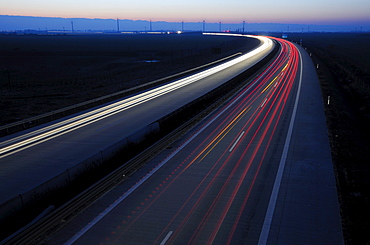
x: 213, y: 179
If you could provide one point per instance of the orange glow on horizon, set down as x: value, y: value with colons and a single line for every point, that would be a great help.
x: 231, y: 12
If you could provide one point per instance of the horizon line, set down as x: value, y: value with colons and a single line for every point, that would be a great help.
x: 196, y: 22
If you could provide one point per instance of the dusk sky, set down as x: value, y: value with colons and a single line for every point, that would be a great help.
x: 321, y: 12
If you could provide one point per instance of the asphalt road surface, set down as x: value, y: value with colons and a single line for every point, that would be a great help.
x: 256, y: 171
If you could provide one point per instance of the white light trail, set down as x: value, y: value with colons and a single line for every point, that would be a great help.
x: 38, y: 136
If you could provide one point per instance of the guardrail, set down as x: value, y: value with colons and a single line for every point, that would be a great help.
x: 47, y: 117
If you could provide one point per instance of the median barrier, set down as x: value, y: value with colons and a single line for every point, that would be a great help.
x: 40, y: 196
x: 24, y: 206
x: 140, y: 135
x: 114, y: 150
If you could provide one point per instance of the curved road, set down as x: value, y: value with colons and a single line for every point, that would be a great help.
x: 256, y: 171
x: 32, y: 157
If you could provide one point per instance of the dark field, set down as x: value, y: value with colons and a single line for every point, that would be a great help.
x: 39, y: 74
x: 344, y: 74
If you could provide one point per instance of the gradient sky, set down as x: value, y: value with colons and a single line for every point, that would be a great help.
x: 322, y: 12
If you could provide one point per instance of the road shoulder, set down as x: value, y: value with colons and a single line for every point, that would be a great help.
x: 307, y: 210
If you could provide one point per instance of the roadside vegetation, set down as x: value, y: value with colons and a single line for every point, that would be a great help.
x: 344, y: 74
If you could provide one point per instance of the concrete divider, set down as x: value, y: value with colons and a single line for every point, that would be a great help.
x: 140, y: 135
x: 114, y: 150
x: 50, y: 188
x: 23, y: 206
x: 78, y: 170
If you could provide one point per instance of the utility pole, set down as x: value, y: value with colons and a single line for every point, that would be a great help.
x: 243, y: 26
x: 204, y: 25
x: 220, y: 27
x: 182, y: 26
x: 72, y: 26
x: 117, y: 25
x: 150, y: 25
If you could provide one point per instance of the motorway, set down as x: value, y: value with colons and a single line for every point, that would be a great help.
x: 32, y: 157
x: 256, y: 171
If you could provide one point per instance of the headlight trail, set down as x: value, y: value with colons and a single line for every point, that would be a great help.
x: 33, y: 138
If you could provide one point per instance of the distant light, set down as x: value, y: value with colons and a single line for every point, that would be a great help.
x: 179, y: 32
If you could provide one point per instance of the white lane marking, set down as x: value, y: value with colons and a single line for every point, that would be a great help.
x: 166, y: 238
x: 275, y: 191
x: 236, y: 142
x: 264, y: 102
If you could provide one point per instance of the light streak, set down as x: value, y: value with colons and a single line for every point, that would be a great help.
x: 275, y: 115
x: 229, y: 127
x: 244, y: 94
x: 31, y: 139
x: 206, y: 190
x: 269, y: 84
